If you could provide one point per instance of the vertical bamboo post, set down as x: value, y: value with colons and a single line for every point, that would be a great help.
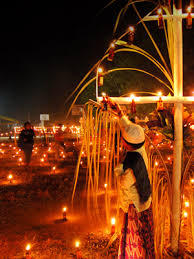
x: 178, y: 126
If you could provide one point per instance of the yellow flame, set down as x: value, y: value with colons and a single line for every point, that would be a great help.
x: 28, y: 247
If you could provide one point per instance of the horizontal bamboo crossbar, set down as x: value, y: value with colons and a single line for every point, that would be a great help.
x: 165, y: 17
x: 151, y: 99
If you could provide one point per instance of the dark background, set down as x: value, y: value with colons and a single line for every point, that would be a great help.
x: 45, y: 52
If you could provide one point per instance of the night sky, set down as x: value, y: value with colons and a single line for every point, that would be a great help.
x: 45, y: 52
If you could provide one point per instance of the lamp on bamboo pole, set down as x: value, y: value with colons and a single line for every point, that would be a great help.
x: 178, y: 101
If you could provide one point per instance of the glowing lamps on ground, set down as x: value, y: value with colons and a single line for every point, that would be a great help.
x: 64, y: 210
x: 10, y: 178
x: 20, y: 161
x: 78, y: 250
x: 28, y: 252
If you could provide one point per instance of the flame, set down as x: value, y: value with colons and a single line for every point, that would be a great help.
x: 113, y: 221
x: 10, y: 176
x: 28, y: 247
x: 77, y: 244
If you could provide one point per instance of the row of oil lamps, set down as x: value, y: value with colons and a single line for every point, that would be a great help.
x: 77, y: 242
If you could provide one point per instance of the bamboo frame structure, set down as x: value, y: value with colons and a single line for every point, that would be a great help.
x: 174, y: 40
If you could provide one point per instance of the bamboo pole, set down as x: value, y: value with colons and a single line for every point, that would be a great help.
x: 178, y: 126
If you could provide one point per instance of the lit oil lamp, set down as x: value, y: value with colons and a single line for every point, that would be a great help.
x: 28, y: 252
x: 105, y: 185
x: 10, y: 178
x: 42, y: 160
x: 20, y: 160
x: 156, y: 163
x: 113, y: 223
x: 187, y: 204
x: 54, y: 169
x: 185, y: 214
x: 78, y: 250
x: 65, y: 214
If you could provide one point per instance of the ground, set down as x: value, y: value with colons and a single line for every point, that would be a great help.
x: 31, y: 210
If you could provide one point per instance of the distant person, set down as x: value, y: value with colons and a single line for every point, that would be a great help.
x: 26, y: 141
x: 59, y: 136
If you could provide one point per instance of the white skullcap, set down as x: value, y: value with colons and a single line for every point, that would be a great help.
x: 131, y: 132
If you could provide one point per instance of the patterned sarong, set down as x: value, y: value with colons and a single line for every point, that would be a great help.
x: 137, y: 235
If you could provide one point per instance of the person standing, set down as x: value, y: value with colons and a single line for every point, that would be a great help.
x: 137, y: 234
x: 26, y: 141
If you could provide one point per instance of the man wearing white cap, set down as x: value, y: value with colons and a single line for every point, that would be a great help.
x: 137, y: 238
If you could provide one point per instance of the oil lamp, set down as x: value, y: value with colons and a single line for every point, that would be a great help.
x: 78, y: 250
x: 113, y: 222
x: 28, y: 252
x: 160, y: 19
x: 100, y: 77
x: 189, y: 18
x: 131, y: 34
x: 185, y: 214
x: 10, y: 177
x: 160, y: 104
x: 65, y: 214
x: 111, y: 52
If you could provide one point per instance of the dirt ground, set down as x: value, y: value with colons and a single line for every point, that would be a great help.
x: 31, y: 211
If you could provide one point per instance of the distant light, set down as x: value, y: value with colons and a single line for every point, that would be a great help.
x: 189, y: 8
x: 131, y: 28
x: 132, y: 96
x: 159, y: 11
x: 156, y: 163
x: 100, y: 70
x: 187, y: 204
x: 192, y: 180
x: 103, y: 94
x: 112, y: 45
x: 159, y: 93
x: 64, y: 209
x: 105, y: 185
